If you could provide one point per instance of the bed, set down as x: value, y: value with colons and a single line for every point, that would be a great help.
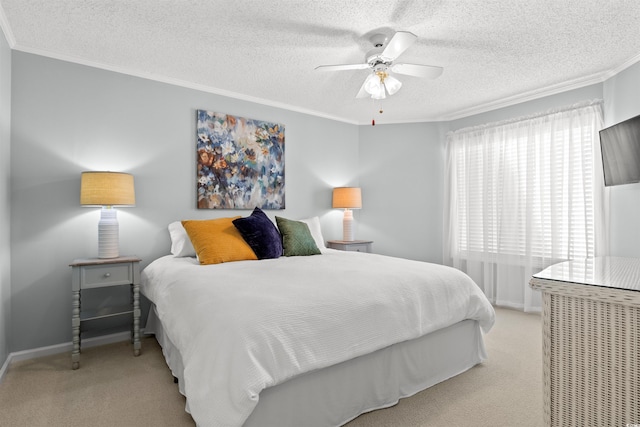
x: 311, y: 340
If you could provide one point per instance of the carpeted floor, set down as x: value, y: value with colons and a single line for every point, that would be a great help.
x: 113, y: 388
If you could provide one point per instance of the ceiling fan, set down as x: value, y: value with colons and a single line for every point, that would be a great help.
x: 381, y: 61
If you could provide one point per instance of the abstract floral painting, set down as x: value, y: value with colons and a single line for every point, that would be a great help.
x: 240, y: 162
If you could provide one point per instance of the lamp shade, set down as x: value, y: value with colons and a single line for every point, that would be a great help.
x: 347, y: 197
x: 372, y: 83
x: 374, y: 87
x: 107, y: 189
x: 392, y: 84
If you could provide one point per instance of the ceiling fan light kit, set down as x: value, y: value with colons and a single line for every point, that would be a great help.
x: 379, y: 82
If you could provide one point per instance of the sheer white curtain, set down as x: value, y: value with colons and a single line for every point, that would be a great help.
x: 522, y: 195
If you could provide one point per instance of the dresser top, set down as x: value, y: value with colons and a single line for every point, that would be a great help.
x: 608, y: 272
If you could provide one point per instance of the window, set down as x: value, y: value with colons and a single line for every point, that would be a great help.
x: 524, y: 194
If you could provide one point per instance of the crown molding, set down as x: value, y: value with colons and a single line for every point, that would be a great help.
x: 177, y: 82
x: 527, y: 96
x: 628, y: 63
x: 538, y: 93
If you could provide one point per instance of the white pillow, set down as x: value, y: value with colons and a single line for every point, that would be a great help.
x: 180, y: 242
x: 316, y: 232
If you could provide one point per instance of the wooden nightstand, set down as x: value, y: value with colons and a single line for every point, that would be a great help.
x: 98, y: 273
x: 353, y: 245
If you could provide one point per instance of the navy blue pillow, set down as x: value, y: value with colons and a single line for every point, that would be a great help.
x: 261, y: 234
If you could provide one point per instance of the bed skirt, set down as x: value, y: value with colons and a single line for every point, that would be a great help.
x: 337, y: 394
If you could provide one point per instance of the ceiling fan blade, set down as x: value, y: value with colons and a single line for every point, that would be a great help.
x: 417, y: 70
x: 400, y: 42
x: 342, y: 67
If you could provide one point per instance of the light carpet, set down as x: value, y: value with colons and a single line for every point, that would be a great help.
x: 113, y: 388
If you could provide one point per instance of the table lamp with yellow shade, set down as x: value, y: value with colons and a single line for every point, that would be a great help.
x: 347, y: 198
x: 107, y: 189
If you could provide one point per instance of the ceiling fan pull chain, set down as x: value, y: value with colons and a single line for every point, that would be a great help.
x: 373, y: 120
x: 378, y: 107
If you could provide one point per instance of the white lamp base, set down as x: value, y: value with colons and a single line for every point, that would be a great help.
x: 348, y: 231
x: 108, y: 233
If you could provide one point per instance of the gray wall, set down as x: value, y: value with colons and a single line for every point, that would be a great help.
x: 5, y: 150
x: 68, y: 118
x: 402, y: 179
x: 622, y: 101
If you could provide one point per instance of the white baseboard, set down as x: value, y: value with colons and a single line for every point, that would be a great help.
x: 61, y: 348
x: 4, y: 368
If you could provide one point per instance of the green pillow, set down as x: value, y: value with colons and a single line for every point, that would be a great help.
x: 296, y: 238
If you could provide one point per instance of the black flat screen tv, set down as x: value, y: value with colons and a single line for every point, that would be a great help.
x: 620, y: 145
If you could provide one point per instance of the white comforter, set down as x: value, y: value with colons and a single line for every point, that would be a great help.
x: 244, y: 326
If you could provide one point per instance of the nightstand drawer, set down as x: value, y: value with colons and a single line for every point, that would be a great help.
x: 106, y: 275
x: 359, y: 248
x: 351, y: 245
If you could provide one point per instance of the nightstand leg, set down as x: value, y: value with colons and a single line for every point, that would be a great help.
x: 75, y: 329
x: 136, y: 320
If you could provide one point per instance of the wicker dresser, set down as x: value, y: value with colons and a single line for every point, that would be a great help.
x: 591, y: 342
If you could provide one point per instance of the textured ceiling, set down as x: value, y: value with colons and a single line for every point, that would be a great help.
x: 494, y: 52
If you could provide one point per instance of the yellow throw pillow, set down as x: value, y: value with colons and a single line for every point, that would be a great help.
x: 217, y: 241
